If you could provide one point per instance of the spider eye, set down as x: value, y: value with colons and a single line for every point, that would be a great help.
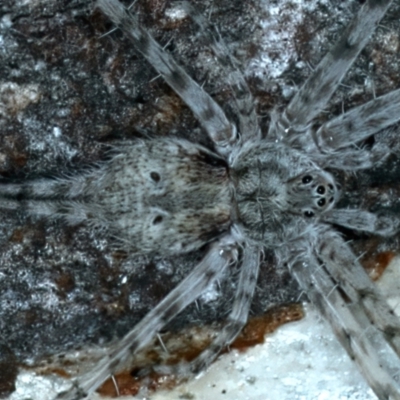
x: 157, y: 220
x: 320, y: 190
x: 308, y: 214
x: 321, y: 202
x: 307, y: 179
x: 155, y: 176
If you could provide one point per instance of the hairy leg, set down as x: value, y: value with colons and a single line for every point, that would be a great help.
x: 363, y: 221
x: 354, y: 158
x: 220, y: 255
x: 248, y: 122
x: 206, y: 110
x: 236, y: 319
x: 65, y: 198
x: 346, y: 316
x: 64, y: 187
x: 319, y: 87
x: 72, y: 212
x: 345, y: 268
x: 359, y: 123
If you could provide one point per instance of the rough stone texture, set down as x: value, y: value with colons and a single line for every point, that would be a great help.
x: 65, y: 91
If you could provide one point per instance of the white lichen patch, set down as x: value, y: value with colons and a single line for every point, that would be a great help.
x: 15, y: 98
x: 175, y: 13
x: 34, y: 387
x: 277, y: 44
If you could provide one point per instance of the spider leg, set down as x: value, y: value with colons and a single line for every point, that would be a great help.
x: 363, y: 221
x: 353, y: 158
x: 220, y: 255
x: 359, y: 288
x: 51, y: 188
x: 248, y: 122
x: 347, y: 315
x: 53, y: 198
x: 206, y: 110
x: 236, y: 319
x: 360, y: 122
x: 72, y: 212
x: 319, y: 87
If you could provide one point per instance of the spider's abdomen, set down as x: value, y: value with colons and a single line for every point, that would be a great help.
x: 166, y: 196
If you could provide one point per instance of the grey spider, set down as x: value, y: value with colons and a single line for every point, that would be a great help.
x: 255, y: 190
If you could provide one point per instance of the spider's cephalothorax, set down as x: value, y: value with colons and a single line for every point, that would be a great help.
x: 274, y: 183
x: 253, y: 191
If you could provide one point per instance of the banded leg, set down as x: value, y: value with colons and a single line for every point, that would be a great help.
x: 63, y: 198
x: 220, y: 255
x: 236, y: 319
x: 354, y: 158
x: 206, y: 110
x: 369, y: 350
x: 363, y: 221
x: 248, y: 122
x: 360, y: 123
x: 359, y: 289
x: 52, y: 188
x: 319, y: 87
x: 72, y: 212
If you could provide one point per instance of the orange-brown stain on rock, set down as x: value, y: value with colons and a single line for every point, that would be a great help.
x: 8, y: 371
x: 17, y: 235
x: 187, y: 346
x: 255, y: 330
x: 65, y: 283
x: 376, y: 264
x: 125, y: 384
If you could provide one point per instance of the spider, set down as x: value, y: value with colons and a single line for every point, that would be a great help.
x: 255, y: 190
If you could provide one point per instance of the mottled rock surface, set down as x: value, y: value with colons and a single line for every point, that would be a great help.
x: 66, y: 92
